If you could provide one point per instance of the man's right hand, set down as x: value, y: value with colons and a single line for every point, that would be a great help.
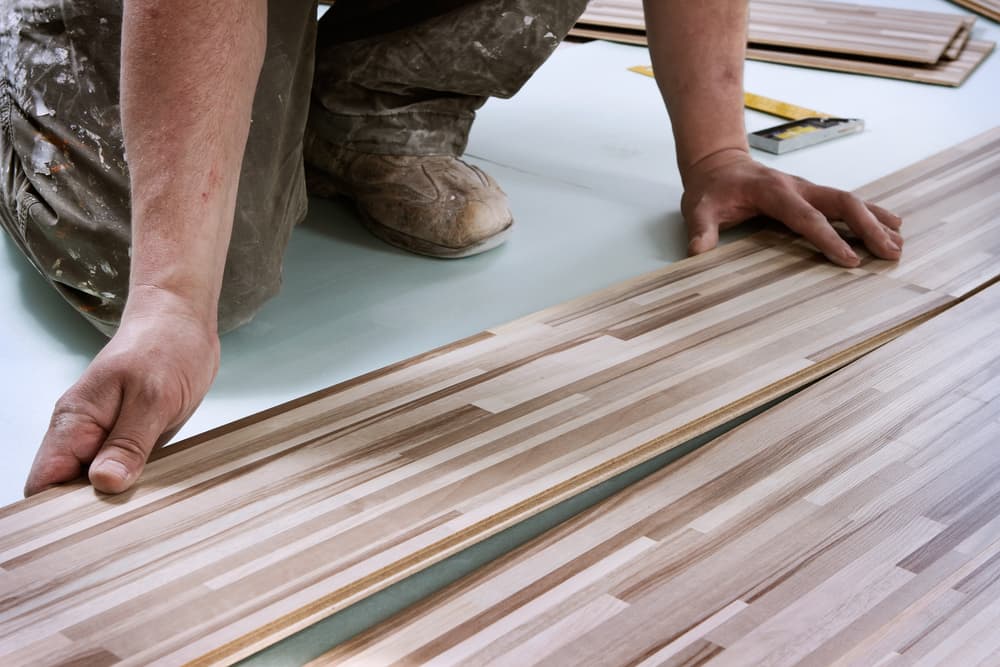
x: 189, y: 70
x: 136, y: 394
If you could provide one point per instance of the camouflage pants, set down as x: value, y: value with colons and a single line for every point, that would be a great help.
x: 387, y: 76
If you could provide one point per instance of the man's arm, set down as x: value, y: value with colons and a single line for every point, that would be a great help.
x: 698, y: 50
x: 189, y: 70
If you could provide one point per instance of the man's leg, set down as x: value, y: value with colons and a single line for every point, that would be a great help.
x: 393, y: 102
x: 64, y: 195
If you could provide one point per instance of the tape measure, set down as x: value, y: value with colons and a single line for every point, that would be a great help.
x: 808, y: 127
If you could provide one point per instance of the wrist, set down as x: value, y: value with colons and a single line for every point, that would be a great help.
x: 710, y: 161
x: 148, y: 300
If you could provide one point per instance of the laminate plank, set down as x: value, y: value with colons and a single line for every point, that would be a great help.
x: 957, y: 45
x: 846, y: 526
x: 988, y: 8
x: 832, y: 27
x: 945, y: 73
x: 241, y: 536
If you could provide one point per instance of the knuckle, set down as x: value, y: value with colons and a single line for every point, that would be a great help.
x: 780, y: 180
x: 69, y: 409
x: 128, y: 447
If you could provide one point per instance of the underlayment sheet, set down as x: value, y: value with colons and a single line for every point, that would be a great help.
x: 832, y: 27
x: 853, y: 524
x: 246, y: 534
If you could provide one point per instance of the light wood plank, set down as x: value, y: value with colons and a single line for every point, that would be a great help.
x: 814, y: 25
x: 237, y: 538
x: 958, y: 44
x: 790, y: 575
x: 798, y: 32
x: 945, y: 73
x: 988, y: 8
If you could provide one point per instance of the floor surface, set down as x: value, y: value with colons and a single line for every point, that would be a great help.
x: 585, y: 153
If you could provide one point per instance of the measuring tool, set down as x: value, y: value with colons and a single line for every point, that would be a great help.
x: 807, y: 126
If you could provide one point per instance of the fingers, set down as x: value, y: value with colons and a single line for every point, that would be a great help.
x: 880, y: 239
x: 69, y: 444
x: 703, y: 230
x: 790, y: 208
x: 139, y: 426
x: 887, y: 218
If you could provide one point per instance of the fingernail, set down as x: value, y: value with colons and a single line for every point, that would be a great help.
x: 113, y: 468
x: 894, y: 246
x: 850, y: 255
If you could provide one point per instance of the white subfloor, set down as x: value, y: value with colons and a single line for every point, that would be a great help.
x: 585, y: 153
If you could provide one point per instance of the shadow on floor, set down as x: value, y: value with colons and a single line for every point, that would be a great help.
x: 52, y: 314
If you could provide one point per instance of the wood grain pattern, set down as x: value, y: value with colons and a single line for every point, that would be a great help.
x: 988, y: 8
x: 237, y: 538
x: 946, y: 73
x: 957, y: 45
x: 814, y: 25
x: 857, y: 523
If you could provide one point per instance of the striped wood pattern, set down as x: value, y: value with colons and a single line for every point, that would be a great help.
x: 610, y: 34
x: 988, y: 8
x: 946, y: 73
x: 237, y: 538
x: 833, y: 27
x: 857, y: 523
x: 957, y: 45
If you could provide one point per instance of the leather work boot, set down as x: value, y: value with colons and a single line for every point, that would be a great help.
x: 433, y: 205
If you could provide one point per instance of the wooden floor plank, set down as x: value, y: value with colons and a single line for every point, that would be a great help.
x: 875, y: 41
x: 945, y: 73
x: 988, y: 8
x: 243, y: 535
x: 842, y: 527
x: 814, y: 25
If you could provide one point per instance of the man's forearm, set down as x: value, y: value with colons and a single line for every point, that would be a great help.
x: 698, y: 50
x: 188, y: 75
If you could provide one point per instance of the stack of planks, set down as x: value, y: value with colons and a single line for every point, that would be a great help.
x: 926, y: 47
x: 244, y: 535
x: 988, y: 8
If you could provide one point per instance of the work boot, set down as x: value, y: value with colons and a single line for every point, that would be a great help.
x: 434, y: 205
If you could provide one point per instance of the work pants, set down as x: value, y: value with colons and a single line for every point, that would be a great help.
x: 399, y: 77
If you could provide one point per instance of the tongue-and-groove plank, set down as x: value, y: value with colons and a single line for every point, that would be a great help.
x: 945, y: 73
x: 622, y: 21
x: 239, y: 537
x: 857, y: 523
x: 988, y: 8
x: 832, y: 27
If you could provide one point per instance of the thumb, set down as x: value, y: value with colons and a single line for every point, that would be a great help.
x: 123, y: 456
x: 703, y: 231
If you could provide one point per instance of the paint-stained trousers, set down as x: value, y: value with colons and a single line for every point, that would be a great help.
x: 382, y: 76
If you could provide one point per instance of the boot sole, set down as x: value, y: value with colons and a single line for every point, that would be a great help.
x: 324, y: 185
x: 420, y: 246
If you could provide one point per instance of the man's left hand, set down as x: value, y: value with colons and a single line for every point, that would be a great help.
x: 729, y: 187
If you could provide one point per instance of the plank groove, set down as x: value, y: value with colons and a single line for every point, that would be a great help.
x: 246, y: 534
x: 845, y: 526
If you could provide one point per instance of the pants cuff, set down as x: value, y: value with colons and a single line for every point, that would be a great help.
x: 408, y: 132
